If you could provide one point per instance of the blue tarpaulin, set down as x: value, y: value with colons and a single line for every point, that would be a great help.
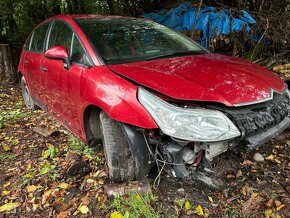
x: 211, y: 21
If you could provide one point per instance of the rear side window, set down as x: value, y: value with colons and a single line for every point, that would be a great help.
x: 38, y: 38
x: 60, y: 34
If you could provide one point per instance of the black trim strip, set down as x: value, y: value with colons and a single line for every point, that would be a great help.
x: 39, y: 103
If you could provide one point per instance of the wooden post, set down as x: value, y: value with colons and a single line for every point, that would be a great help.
x: 7, y: 73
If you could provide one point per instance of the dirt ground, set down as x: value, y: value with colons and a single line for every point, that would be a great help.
x: 37, y: 178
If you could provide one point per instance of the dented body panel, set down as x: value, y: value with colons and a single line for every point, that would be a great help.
x: 207, y: 77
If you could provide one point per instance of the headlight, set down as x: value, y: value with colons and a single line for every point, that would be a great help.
x: 188, y: 124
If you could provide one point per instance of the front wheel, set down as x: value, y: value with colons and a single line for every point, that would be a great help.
x: 26, y: 95
x: 123, y: 161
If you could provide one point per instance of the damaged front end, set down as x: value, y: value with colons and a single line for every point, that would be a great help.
x: 191, y: 136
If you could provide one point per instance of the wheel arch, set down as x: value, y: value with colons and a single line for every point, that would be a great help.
x: 91, y: 114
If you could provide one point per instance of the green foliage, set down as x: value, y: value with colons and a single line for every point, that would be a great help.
x: 50, y: 152
x: 46, y: 168
x: 287, y: 8
x: 135, y: 205
x: 7, y: 156
x: 78, y: 145
x: 12, y: 116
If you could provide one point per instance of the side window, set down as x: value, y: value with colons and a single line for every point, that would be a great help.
x: 78, y: 53
x: 38, y: 38
x: 60, y: 34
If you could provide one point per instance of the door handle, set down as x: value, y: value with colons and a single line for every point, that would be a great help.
x: 25, y: 61
x: 43, y: 69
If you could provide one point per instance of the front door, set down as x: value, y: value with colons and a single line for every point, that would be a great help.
x: 62, y: 85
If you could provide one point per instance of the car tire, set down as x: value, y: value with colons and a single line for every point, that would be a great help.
x: 122, y: 163
x: 26, y: 95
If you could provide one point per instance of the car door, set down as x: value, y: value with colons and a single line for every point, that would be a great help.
x: 33, y: 59
x: 62, y: 85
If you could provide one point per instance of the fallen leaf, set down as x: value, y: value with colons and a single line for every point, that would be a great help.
x: 187, y: 205
x: 269, y: 203
x: 230, y: 176
x: 63, y: 185
x: 268, y: 213
x: 116, y: 214
x: 9, y: 206
x: 83, y: 209
x: 31, y: 188
x: 91, y: 181
x: 6, y: 184
x: 210, y: 199
x: 239, y: 174
x: 247, y: 163
x: 280, y: 207
x: 199, y: 210
x: 46, y: 196
x: 6, y: 148
x: 277, y: 203
x: 63, y: 214
x: 5, y: 192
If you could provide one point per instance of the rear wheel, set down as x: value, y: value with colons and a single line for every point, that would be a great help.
x: 26, y: 95
x: 124, y: 164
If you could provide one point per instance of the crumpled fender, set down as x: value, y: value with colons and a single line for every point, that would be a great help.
x: 114, y: 95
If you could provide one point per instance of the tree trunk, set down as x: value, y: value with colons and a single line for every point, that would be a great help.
x: 7, y: 73
x: 111, y: 7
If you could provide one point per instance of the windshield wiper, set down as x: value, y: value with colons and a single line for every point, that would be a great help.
x: 175, y: 54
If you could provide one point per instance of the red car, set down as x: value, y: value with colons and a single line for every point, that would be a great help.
x: 150, y: 94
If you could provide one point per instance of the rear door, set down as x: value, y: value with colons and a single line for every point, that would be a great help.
x: 32, y: 61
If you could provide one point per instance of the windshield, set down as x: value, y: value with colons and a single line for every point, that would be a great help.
x: 129, y: 40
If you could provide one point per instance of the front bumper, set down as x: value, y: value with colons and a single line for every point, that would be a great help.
x: 255, y: 141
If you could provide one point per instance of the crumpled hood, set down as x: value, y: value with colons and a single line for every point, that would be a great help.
x: 207, y: 77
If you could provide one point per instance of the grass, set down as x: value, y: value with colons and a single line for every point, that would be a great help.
x: 135, y: 205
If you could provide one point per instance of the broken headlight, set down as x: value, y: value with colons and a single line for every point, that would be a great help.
x: 188, y: 124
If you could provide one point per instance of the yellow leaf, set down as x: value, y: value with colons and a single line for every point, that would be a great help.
x: 254, y: 195
x: 6, y: 148
x: 136, y: 196
x: 101, y: 182
x: 116, y: 215
x: 270, y: 157
x: 63, y: 185
x: 28, y: 167
x: 83, y: 209
x: 31, y: 188
x: 91, y: 181
x: 280, y: 207
x: 199, y: 210
x: 6, y: 184
x: 268, y: 213
x: 8, y: 206
x: 210, y: 199
x: 277, y: 161
x: 187, y: 205
x: 46, y: 196
x: 5, y: 192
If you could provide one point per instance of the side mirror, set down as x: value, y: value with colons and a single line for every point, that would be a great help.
x: 58, y: 52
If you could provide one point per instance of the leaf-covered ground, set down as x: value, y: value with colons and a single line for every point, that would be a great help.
x: 37, y: 180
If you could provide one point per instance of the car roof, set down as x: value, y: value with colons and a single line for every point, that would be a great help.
x: 79, y: 16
